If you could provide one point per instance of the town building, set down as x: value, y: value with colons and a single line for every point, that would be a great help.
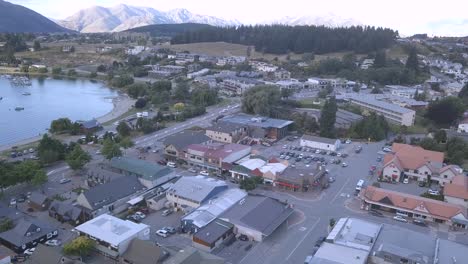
x: 416, y: 163
x: 39, y: 201
x: 143, y: 252
x: 193, y: 75
x: 320, y: 143
x: 403, y: 91
x: 414, y: 207
x: 456, y: 191
x: 50, y: 255
x: 302, y: 180
x: 27, y: 233
x: 191, y: 192
x: 158, y: 71
x: 135, y: 50
x: 263, y: 66
x: 68, y: 213
x: 237, y: 86
x: 148, y: 173
x: 215, y: 156
x: 344, y: 119
x: 113, y: 235
x: 393, y: 113
x: 190, y: 255
x: 111, y: 197
x: 261, y: 127
x: 367, y: 63
x: 282, y: 75
x: 90, y: 126
x: 212, y: 235
x: 176, y: 145
x: 257, y: 167
x: 226, y: 132
x: 463, y: 126
x: 257, y: 217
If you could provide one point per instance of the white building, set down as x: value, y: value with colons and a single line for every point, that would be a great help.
x: 463, y: 126
x: 199, y: 73
x: 135, y: 50
x: 320, y: 143
x: 113, y: 235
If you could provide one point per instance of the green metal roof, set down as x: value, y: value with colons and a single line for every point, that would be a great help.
x: 144, y: 169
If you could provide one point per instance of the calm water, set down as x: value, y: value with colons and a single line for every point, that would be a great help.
x: 50, y: 99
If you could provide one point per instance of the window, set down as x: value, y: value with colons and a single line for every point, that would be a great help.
x: 402, y: 260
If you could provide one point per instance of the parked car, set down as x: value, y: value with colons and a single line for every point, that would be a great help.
x: 405, y: 181
x: 317, y: 151
x: 376, y: 213
x: 53, y: 243
x: 134, y: 218
x: 192, y: 170
x: 433, y: 192
x: 170, y: 229
x: 64, y: 180
x: 162, y: 162
x: 419, y: 222
x: 167, y: 212
x: 171, y: 165
x: 140, y: 215
x: 348, y: 141
x: 344, y: 164
x: 204, y: 173
x: 379, y: 159
x: 162, y: 233
x: 243, y: 238
x: 12, y: 202
x: 400, y: 219
x: 29, y: 251
x: 387, y: 149
x: 331, y: 179
x: 21, y: 198
x: 344, y: 155
x: 421, y: 184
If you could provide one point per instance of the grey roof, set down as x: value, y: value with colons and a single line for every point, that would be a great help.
x: 10, y: 213
x: 109, y: 192
x: 225, y: 127
x: 66, y: 210
x: 381, y: 104
x: 261, y: 213
x: 197, y: 188
x: 93, y: 123
x: 257, y: 121
x: 300, y: 176
x: 213, y: 231
x: 447, y: 251
x: 38, y: 198
x: 327, y: 254
x: 190, y: 255
x: 19, y: 234
x: 187, y: 137
x: 319, y: 139
x: 141, y: 168
x: 50, y: 255
x: 142, y: 252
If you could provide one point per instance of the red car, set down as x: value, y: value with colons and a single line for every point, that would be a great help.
x: 373, y: 168
x: 162, y: 162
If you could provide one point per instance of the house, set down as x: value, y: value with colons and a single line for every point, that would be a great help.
x: 417, y: 163
x: 50, y: 255
x: 226, y: 132
x: 135, y: 50
x: 261, y: 127
x: 190, y: 255
x: 320, y: 143
x: 111, y: 197
x: 282, y: 75
x: 456, y: 191
x: 113, y: 235
x: 39, y: 201
x: 194, y: 191
x: 208, y: 212
x: 215, y: 156
x: 148, y: 173
x: 257, y: 216
x: 176, y: 144
x: 367, y: 63
x: 66, y: 212
x: 463, y: 126
x: 413, y: 206
x: 90, y: 126
x: 27, y: 233
x: 212, y: 235
x: 300, y: 179
x: 142, y: 252
x: 237, y: 86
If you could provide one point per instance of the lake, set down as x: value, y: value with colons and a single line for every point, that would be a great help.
x: 49, y: 99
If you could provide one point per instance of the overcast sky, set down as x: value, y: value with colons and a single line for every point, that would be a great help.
x: 449, y: 17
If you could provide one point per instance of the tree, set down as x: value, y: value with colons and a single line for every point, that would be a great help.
x: 40, y: 177
x: 126, y: 142
x: 261, y: 100
x: 77, y: 158
x: 123, y: 129
x: 111, y: 149
x: 376, y: 90
x: 6, y: 224
x: 374, y: 127
x: 93, y: 75
x: 463, y: 94
x: 440, y: 136
x: 56, y: 71
x: 328, y: 118
x: 36, y: 45
x: 457, y: 150
x: 179, y: 107
x: 50, y: 150
x: 140, y: 103
x: 80, y: 246
x: 446, y: 112
x: 122, y: 81
x: 72, y: 72
x: 412, y: 61
x: 182, y: 91
x: 286, y: 93
x: 380, y: 59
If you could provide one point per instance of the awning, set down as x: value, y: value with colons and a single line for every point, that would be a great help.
x: 460, y: 219
x: 135, y: 200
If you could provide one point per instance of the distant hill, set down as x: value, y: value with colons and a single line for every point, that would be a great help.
x: 123, y: 17
x: 169, y: 30
x: 17, y: 18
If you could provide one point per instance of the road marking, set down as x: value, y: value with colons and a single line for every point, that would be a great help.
x: 302, y: 240
x: 302, y: 228
x: 340, y: 191
x: 57, y: 170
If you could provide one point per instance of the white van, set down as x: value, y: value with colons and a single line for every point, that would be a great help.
x: 359, y: 185
x: 171, y: 164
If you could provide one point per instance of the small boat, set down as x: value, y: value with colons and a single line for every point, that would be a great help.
x: 19, y: 108
x: 1, y: 98
x: 26, y: 93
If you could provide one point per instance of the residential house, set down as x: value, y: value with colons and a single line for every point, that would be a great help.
x: 191, y: 192
x: 142, y: 252
x: 367, y: 63
x: 193, y: 67
x: 320, y: 143
x: 148, y: 173
x: 113, y: 235
x: 463, y: 126
x: 27, y: 233
x: 176, y: 145
x: 39, y: 201
x: 226, y: 132
x: 260, y: 127
x: 263, y: 66
x: 212, y: 235
x: 215, y: 156
x: 68, y: 213
x: 456, y: 191
x: 135, y: 50
x: 282, y: 75
x: 50, y: 255
x: 413, y: 206
x: 417, y: 163
x: 111, y: 197
x: 190, y: 255
x: 257, y: 216
x: 90, y: 126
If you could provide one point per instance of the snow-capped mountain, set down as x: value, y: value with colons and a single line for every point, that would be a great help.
x: 122, y: 17
x: 329, y: 20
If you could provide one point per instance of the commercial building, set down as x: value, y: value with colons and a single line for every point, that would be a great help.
x: 418, y: 164
x: 456, y: 192
x: 191, y: 192
x: 212, y: 235
x: 49, y: 255
x: 302, y: 180
x: 190, y: 255
x: 176, y: 145
x: 68, y: 213
x: 237, y: 86
x: 226, y: 132
x: 199, y: 73
x: 320, y: 143
x: 393, y: 113
x: 257, y: 217
x: 344, y: 119
x: 142, y: 252
x: 216, y: 156
x: 261, y: 127
x: 148, y: 173
x: 113, y: 235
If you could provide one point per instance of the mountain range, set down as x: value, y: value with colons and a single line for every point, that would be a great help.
x: 17, y: 18
x: 123, y: 17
